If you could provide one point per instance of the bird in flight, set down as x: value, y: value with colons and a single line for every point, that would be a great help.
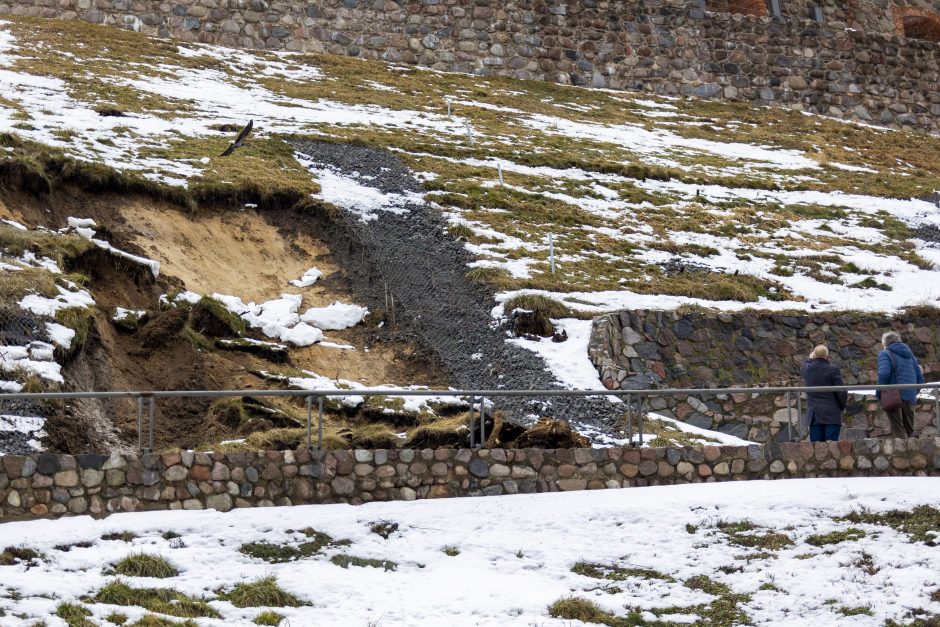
x: 240, y: 140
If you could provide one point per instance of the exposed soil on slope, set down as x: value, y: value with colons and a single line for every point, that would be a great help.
x: 236, y: 252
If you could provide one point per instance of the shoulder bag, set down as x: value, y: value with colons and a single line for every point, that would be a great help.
x: 891, y: 399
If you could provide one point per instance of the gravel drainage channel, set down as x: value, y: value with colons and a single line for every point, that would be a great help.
x: 409, y: 254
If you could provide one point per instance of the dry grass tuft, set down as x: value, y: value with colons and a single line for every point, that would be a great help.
x: 144, y: 565
x: 261, y: 593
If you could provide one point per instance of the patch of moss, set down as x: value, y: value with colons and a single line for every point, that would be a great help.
x: 863, y: 610
x: 745, y: 533
x: 210, y: 317
x: 617, y: 573
x: 921, y: 524
x: 836, y: 537
x: 345, y: 561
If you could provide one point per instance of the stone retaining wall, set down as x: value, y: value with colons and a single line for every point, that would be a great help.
x: 855, y: 64
x: 49, y: 485
x: 648, y: 349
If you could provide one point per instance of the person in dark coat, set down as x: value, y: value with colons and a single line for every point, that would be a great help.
x: 897, y: 364
x: 823, y: 409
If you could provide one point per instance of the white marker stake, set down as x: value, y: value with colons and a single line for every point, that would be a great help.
x: 469, y: 133
x: 499, y: 170
x: 448, y: 106
x: 551, y: 252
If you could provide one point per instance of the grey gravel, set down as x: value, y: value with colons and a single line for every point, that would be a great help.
x: 414, y: 258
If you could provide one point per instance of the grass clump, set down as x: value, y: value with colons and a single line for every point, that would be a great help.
x: 262, y: 592
x: 79, y: 319
x: 863, y: 610
x: 74, y: 615
x: 617, y: 573
x: 210, y: 317
x: 170, y: 535
x: 160, y: 600
x: 538, y: 303
x: 451, y: 551
x: 19, y: 554
x: 144, y: 565
x: 584, y: 610
x: 15, y: 284
x: 151, y: 620
x: 745, y: 533
x: 268, y: 618
x: 835, y: 537
x: 374, y: 436
x: 921, y: 524
x: 723, y: 610
x: 345, y: 561
x: 273, y: 553
x: 447, y: 432
x: 116, y: 618
x: 123, y: 536
x: 60, y: 248
x: 281, y: 553
x: 499, y: 278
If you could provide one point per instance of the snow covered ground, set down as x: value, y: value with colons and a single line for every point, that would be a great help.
x: 505, y: 560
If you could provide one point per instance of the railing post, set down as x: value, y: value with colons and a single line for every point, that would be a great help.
x: 153, y: 412
x: 320, y: 423
x: 472, y: 430
x: 641, y: 402
x: 789, y: 419
x: 140, y: 424
x: 799, y: 411
x: 630, y: 419
x: 936, y: 409
x: 482, y: 421
x: 309, y: 422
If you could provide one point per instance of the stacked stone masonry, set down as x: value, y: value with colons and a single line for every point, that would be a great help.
x: 856, y: 63
x: 49, y: 485
x: 648, y: 349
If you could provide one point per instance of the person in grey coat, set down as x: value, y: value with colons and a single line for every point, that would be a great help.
x: 897, y: 364
x: 823, y: 409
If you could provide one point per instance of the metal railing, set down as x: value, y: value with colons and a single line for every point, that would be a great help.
x: 635, y: 401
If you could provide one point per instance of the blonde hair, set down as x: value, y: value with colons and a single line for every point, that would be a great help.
x: 821, y: 352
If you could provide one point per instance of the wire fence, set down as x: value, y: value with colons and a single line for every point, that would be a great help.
x: 634, y: 402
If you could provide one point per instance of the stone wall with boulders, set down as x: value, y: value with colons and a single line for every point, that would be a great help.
x: 648, y: 349
x: 49, y: 485
x: 854, y: 64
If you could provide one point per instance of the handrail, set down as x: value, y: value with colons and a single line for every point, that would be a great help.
x: 634, y: 400
x: 455, y: 393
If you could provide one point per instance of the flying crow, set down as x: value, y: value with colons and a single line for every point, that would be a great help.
x: 240, y: 140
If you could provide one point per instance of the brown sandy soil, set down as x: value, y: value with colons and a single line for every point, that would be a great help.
x: 236, y: 252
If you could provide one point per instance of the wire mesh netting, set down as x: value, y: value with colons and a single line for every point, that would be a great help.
x: 25, y: 350
x: 414, y: 262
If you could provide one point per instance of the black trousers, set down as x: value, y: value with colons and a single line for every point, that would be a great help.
x: 902, y: 420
